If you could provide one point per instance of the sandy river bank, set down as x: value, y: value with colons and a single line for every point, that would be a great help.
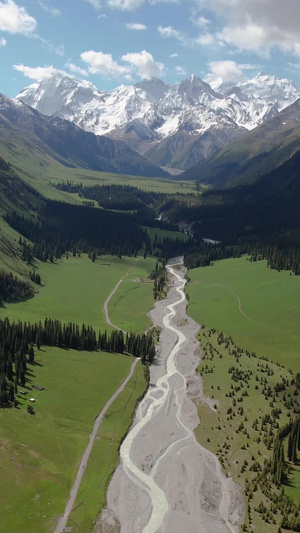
x: 166, y: 481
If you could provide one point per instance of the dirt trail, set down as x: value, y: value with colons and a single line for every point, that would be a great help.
x: 166, y: 481
x: 74, y: 490
x: 241, y: 309
x: 105, y: 306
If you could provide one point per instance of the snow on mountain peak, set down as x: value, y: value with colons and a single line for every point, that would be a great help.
x: 155, y: 89
x: 152, y: 110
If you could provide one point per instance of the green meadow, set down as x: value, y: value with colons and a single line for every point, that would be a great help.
x: 58, y: 173
x: 130, y: 304
x: 41, y: 171
x: 104, y: 457
x: 257, y: 306
x: 40, y: 453
x: 75, y: 289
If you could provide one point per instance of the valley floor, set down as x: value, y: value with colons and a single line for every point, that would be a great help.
x: 171, y: 482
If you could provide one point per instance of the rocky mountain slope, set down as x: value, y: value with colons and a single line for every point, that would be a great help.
x: 172, y: 125
x: 69, y: 144
x: 254, y: 154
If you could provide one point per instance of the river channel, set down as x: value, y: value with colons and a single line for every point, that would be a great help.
x: 166, y: 481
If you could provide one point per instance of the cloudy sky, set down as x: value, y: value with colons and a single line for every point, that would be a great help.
x: 111, y: 42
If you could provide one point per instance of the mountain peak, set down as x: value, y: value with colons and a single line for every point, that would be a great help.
x: 151, y: 115
x: 154, y: 88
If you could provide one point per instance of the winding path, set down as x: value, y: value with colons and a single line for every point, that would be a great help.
x: 105, y: 307
x: 166, y: 481
x: 74, y: 490
x: 241, y: 308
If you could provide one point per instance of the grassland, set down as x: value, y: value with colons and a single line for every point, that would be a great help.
x: 75, y: 289
x: 244, y: 390
x: 128, y: 307
x: 59, y: 173
x: 264, y: 320
x: 40, y: 173
x: 259, y: 309
x: 40, y: 453
x: 104, y: 457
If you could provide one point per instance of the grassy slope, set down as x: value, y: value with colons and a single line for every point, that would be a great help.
x: 75, y: 290
x: 10, y: 260
x: 39, y: 169
x: 270, y: 299
x: 40, y: 453
x: 89, y: 177
x: 222, y: 433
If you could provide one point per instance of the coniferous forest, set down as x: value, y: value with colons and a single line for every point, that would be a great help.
x: 18, y: 341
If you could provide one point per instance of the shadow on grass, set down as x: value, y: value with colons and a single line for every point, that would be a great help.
x: 35, y: 363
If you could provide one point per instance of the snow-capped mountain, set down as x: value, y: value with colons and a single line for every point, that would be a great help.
x: 173, y: 125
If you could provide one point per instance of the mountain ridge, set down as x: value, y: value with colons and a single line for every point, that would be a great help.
x: 254, y: 154
x: 151, y: 113
x: 69, y: 144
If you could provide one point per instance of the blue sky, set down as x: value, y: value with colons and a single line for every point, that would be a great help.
x: 111, y: 42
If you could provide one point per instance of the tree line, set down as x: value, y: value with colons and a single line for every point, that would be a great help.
x: 11, y: 288
x: 282, y: 252
x: 18, y: 340
x: 119, y: 197
x: 60, y: 227
x: 159, y: 276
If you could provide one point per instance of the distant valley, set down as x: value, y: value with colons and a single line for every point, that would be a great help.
x: 88, y: 221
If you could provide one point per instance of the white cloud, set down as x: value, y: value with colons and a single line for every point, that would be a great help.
x: 200, y: 22
x: 100, y: 63
x: 227, y: 70
x: 38, y: 73
x: 258, y: 25
x: 76, y: 70
x: 95, y: 3
x: 180, y: 71
x: 170, y: 32
x: 15, y: 19
x: 136, y: 26
x: 3, y: 42
x: 51, y: 10
x: 174, y: 55
x: 126, y: 5
x: 144, y: 65
x: 141, y: 63
x: 205, y: 39
x: 251, y: 37
x: 57, y: 49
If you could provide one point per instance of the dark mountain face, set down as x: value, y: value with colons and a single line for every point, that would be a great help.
x: 254, y: 154
x: 72, y: 146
